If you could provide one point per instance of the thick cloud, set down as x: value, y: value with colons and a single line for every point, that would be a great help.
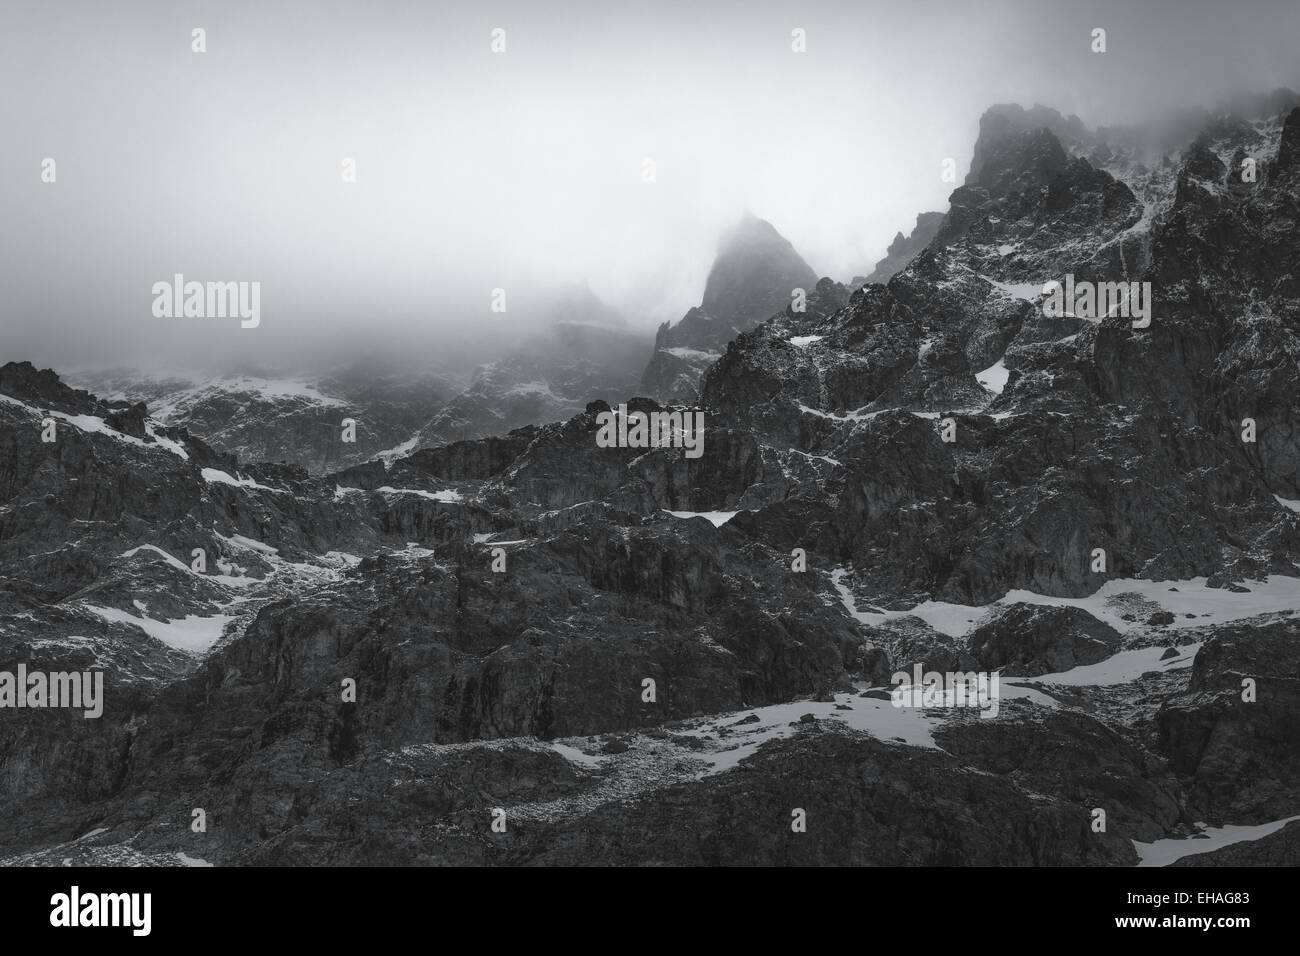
x: 521, y: 170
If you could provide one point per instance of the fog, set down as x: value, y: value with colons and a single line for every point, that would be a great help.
x: 522, y: 170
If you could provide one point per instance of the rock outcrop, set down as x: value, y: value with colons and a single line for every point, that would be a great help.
x: 753, y: 277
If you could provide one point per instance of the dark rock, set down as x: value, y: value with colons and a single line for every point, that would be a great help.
x: 1028, y: 640
x: 1236, y: 754
x: 902, y: 250
x: 129, y: 421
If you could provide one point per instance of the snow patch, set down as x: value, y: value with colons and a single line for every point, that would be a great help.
x: 539, y: 389
x: 1206, y: 605
x: 951, y: 619
x: 994, y: 378
x: 192, y: 634
x: 1028, y: 291
x: 692, y: 354
x: 175, y: 447
x: 219, y: 477
x: 574, y: 755
x: 174, y: 562
x: 237, y: 581
x: 856, y: 416
x: 397, y: 451
x: 1121, y: 668
x: 718, y: 518
x: 261, y: 389
x: 92, y: 423
x: 825, y: 458
x: 911, y: 726
x: 1192, y: 603
x: 448, y: 495
x: 1164, y: 852
x: 247, y: 544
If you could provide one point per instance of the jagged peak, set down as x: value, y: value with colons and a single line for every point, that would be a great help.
x: 904, y: 248
x: 754, y: 267
x: 43, y: 387
x: 1004, y: 126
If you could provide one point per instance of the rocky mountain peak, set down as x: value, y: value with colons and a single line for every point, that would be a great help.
x: 755, y: 269
x: 579, y: 304
x: 752, y: 277
x: 44, y: 388
x: 904, y: 248
x: 1002, y: 125
x: 1030, y: 157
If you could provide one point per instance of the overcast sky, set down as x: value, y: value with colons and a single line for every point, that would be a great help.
x: 521, y: 170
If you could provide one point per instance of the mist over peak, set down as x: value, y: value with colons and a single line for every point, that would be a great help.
x: 383, y: 177
x: 755, y: 271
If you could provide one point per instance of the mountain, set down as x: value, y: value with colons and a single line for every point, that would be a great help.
x: 622, y: 650
x: 753, y: 276
x: 961, y: 332
x: 289, y: 419
x: 584, y: 351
